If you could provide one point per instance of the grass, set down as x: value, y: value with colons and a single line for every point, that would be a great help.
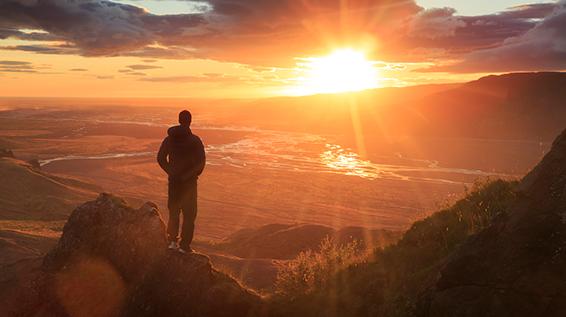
x: 312, y: 270
x: 391, y: 281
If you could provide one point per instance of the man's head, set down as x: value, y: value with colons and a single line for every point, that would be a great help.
x: 185, y: 118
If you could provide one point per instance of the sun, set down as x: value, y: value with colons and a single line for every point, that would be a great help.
x: 343, y: 70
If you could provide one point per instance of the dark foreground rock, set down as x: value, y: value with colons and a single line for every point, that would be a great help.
x: 517, y: 266
x: 112, y: 261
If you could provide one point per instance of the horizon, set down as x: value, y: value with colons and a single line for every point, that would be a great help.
x: 204, y: 99
x: 218, y: 49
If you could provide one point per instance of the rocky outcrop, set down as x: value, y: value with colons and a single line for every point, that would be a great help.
x: 517, y: 266
x: 112, y: 260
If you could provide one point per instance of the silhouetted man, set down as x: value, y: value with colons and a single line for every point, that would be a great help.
x: 182, y: 157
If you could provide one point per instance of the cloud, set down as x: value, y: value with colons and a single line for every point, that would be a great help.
x: 464, y: 34
x: 204, y: 78
x: 171, y: 52
x: 27, y: 36
x: 43, y: 49
x: 260, y: 32
x: 435, y: 23
x: 143, y: 67
x: 275, y: 32
x: 9, y: 66
x: 541, y: 48
x: 132, y: 72
x: 78, y: 70
x: 14, y: 63
x: 96, y: 27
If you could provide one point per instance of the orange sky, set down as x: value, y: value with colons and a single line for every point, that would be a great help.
x: 251, y: 49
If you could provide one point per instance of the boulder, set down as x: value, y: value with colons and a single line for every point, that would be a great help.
x: 112, y: 260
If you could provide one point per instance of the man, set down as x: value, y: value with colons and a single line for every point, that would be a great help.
x: 182, y: 157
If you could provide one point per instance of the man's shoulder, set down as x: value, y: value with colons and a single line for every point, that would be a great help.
x: 196, y: 138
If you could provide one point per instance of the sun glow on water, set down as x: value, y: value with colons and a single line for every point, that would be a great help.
x: 344, y: 70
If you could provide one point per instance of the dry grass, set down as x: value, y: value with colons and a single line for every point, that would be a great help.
x: 313, y: 270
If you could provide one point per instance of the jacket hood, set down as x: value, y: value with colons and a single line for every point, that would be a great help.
x: 179, y: 132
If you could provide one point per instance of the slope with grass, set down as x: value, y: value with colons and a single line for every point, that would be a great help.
x: 27, y: 193
x: 391, y: 281
x: 286, y: 241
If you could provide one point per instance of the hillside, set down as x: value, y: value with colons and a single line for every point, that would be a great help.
x: 497, y: 252
x: 31, y: 194
x: 517, y: 266
x: 286, y: 241
x: 16, y: 246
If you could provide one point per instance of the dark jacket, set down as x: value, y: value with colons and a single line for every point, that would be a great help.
x: 181, y: 155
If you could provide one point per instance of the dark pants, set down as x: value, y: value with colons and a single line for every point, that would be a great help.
x: 182, y: 198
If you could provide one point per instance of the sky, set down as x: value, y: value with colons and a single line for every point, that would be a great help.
x: 265, y: 48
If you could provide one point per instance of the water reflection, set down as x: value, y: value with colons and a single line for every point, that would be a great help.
x: 339, y: 160
x: 347, y: 162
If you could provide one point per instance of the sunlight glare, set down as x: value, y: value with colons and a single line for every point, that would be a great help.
x: 344, y: 70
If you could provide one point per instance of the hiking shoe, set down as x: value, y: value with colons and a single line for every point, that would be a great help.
x: 173, y: 246
x: 187, y: 250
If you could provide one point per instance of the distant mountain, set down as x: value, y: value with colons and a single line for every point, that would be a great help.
x: 27, y: 193
x: 525, y: 106
x: 528, y: 106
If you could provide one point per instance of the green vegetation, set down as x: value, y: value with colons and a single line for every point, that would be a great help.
x: 392, y: 281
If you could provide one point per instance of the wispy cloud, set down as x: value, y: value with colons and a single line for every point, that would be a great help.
x: 204, y: 78
x: 142, y: 67
x: 10, y: 66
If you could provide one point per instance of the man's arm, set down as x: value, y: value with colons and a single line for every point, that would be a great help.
x: 162, y: 156
x: 199, y: 164
x: 201, y: 159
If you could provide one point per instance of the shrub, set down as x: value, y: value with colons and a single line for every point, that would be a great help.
x: 311, y: 271
x: 338, y: 281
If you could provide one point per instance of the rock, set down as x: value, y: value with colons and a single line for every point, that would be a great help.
x: 517, y: 266
x: 112, y: 260
x: 34, y: 163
